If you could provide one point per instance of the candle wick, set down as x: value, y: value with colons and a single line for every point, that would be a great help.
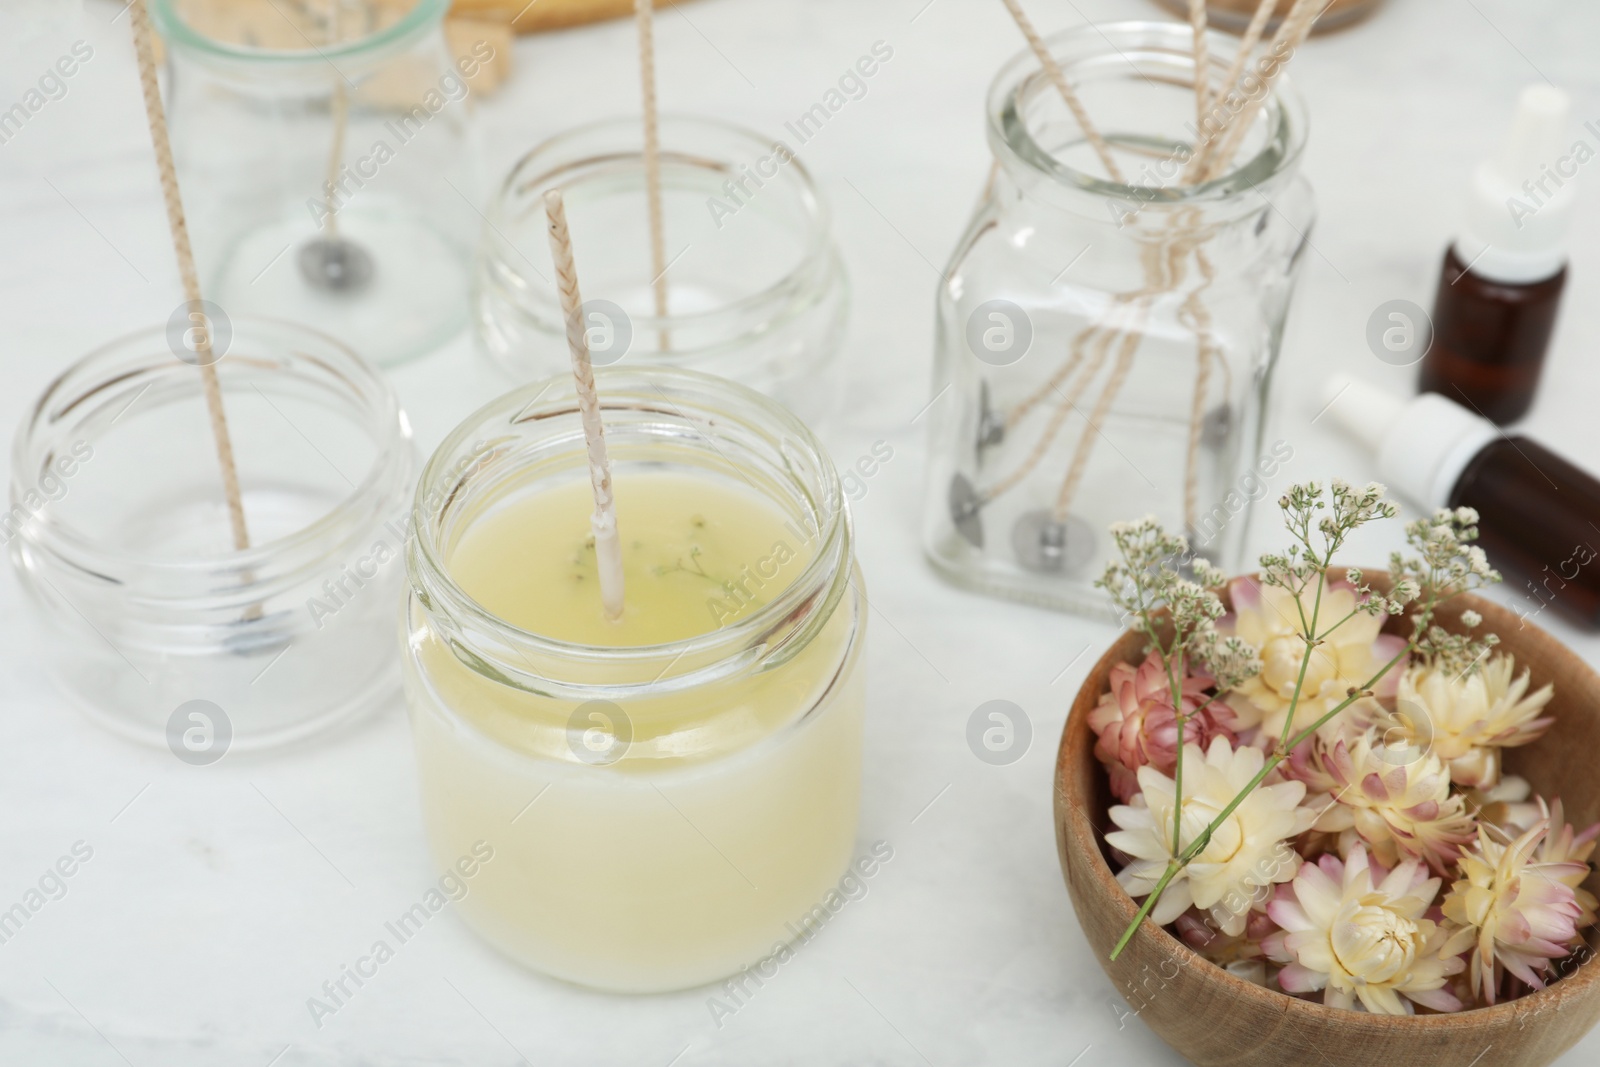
x: 603, y: 523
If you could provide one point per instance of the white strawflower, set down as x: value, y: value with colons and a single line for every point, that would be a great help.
x: 1269, y: 618
x: 1247, y: 854
x: 1357, y: 932
x: 1472, y: 716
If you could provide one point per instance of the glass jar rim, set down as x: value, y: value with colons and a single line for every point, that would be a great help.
x: 1083, y: 43
x: 95, y: 371
x: 819, y: 240
x: 178, y: 33
x: 808, y: 602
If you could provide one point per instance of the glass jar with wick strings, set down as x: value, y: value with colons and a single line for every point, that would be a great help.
x: 1105, y: 348
x: 326, y: 155
x: 755, y: 288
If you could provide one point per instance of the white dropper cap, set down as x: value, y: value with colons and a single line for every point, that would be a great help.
x: 1422, y: 443
x: 1519, y: 208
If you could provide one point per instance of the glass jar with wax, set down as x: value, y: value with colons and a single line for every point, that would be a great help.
x: 665, y: 794
x: 755, y: 288
x: 159, y: 627
x: 327, y: 155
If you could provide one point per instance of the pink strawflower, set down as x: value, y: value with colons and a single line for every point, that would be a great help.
x: 1137, y: 727
x: 1519, y: 897
x: 1241, y: 955
x: 1397, y: 802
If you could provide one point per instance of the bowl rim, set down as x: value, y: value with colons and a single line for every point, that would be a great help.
x: 1073, y: 819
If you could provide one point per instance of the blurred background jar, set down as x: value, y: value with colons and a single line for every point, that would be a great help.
x: 755, y: 287
x: 1234, y: 15
x: 327, y: 163
x: 1104, y: 351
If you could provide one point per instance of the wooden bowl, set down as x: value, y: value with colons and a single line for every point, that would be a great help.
x: 1214, y: 1018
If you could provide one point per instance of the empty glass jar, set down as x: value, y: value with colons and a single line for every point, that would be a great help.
x: 327, y: 163
x: 156, y: 626
x: 754, y: 286
x: 1105, y: 348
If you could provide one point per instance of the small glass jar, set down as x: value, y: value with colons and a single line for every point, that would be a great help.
x: 653, y: 817
x: 120, y: 536
x: 1104, y: 350
x: 328, y: 165
x: 755, y: 287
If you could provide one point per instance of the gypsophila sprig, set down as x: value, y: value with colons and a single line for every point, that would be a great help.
x: 1143, y: 582
x: 1446, y: 565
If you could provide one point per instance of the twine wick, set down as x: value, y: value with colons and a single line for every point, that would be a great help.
x: 179, y: 228
x: 1213, y: 158
x: 1053, y: 70
x: 1197, y: 24
x: 603, y: 523
x: 644, y: 16
x: 341, y: 111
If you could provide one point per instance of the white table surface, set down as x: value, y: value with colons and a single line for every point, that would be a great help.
x: 219, y: 899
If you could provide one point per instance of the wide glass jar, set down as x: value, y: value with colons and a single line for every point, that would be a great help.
x: 1104, y: 350
x: 755, y: 289
x: 327, y: 162
x: 121, y: 538
x: 653, y: 816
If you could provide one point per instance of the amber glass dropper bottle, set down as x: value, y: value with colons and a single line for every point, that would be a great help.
x: 1538, y: 513
x: 1502, y: 279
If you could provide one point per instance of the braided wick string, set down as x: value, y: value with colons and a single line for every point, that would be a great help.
x: 1085, y: 449
x: 1053, y: 383
x: 1101, y: 335
x: 1198, y: 318
x: 1217, y: 152
x: 644, y: 17
x: 179, y: 229
x: 1197, y: 24
x: 1162, y: 263
x: 341, y: 111
x: 1053, y: 70
x: 1104, y: 333
x: 1247, y: 44
x: 603, y: 523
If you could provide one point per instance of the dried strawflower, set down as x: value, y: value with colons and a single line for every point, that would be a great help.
x: 1180, y: 618
x: 1241, y: 955
x: 1565, y: 845
x: 1469, y: 717
x: 1520, y: 900
x: 1243, y: 857
x: 1136, y: 724
x: 1276, y: 620
x: 1356, y: 931
x: 1397, y: 802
